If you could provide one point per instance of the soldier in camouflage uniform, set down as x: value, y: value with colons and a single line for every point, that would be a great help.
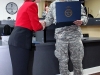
x: 68, y: 38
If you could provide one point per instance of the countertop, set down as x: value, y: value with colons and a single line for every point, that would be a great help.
x: 84, y: 40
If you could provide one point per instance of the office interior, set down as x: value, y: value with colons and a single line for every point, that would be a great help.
x: 91, y: 41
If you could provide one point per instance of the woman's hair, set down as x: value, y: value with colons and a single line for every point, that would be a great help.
x: 28, y: 0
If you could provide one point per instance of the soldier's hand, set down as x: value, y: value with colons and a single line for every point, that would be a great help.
x: 78, y: 22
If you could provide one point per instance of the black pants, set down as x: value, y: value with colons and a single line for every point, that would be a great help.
x: 20, y: 60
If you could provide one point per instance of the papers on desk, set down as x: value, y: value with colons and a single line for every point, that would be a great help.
x: 5, y: 40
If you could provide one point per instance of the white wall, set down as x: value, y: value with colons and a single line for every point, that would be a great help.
x: 94, y: 7
x: 3, y: 12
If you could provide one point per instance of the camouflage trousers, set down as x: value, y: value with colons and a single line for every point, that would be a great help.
x: 76, y: 50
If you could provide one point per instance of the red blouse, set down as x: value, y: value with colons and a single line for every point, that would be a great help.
x: 27, y: 17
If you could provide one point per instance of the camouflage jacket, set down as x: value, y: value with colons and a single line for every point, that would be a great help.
x: 67, y: 31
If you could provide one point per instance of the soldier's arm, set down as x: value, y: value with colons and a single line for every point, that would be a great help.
x: 49, y: 17
x: 84, y: 17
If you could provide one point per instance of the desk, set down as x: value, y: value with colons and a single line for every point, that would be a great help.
x: 5, y: 61
x: 45, y: 63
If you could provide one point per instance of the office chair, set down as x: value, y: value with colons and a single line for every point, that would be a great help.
x: 6, y: 30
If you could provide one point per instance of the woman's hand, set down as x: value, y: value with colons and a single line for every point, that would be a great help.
x: 43, y: 24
